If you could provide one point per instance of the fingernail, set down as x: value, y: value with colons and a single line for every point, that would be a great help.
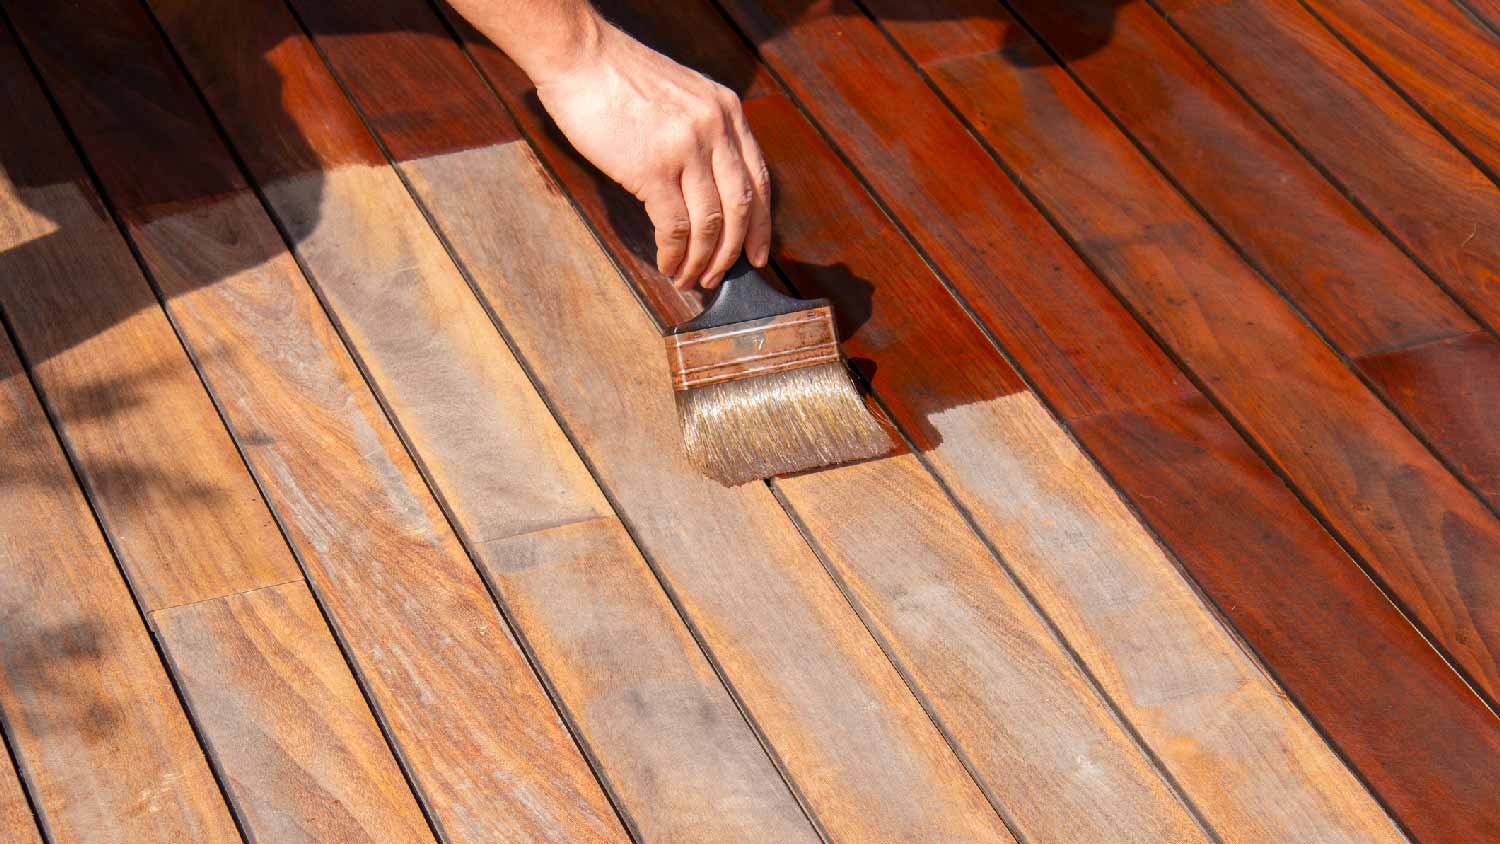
x: 762, y: 254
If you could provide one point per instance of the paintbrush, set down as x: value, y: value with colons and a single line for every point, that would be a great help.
x: 761, y: 386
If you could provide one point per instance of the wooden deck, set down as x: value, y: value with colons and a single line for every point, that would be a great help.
x: 341, y: 497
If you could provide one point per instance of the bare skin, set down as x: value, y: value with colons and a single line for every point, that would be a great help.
x: 672, y: 137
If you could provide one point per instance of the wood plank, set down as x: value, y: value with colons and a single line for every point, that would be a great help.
x: 17, y: 822
x: 1360, y: 131
x: 1363, y: 296
x: 1414, y: 731
x: 146, y: 438
x: 1400, y: 510
x: 860, y: 749
x: 172, y: 492
x: 1440, y: 58
x: 303, y: 757
x: 1488, y: 11
x: 384, y: 561
x: 987, y: 428
x: 610, y: 642
x: 1450, y: 390
x: 1351, y: 281
x: 104, y: 744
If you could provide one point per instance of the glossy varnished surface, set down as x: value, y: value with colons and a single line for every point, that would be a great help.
x: 357, y: 450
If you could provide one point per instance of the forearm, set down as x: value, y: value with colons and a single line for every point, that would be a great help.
x: 545, y: 37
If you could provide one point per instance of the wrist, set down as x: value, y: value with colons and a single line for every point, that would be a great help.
x: 577, y: 43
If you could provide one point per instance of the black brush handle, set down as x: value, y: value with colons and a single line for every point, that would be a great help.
x: 744, y: 295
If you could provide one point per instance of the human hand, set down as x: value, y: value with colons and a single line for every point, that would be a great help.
x: 677, y: 141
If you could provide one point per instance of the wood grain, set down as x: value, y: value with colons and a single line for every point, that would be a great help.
x: 493, y: 451
x: 1415, y: 732
x: 17, y: 822
x: 172, y: 492
x: 1435, y: 54
x: 1449, y: 390
x: 415, y: 616
x: 859, y: 748
x: 1350, y: 282
x: 105, y: 746
x: 1412, y: 522
x: 1341, y: 113
x: 304, y: 758
x: 1050, y: 749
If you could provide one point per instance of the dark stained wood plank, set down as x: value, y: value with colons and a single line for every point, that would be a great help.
x: 1416, y: 733
x: 860, y: 749
x: 104, y: 744
x: 146, y: 438
x: 1351, y: 281
x: 1364, y: 296
x: 414, y: 614
x: 1000, y: 421
x: 303, y: 757
x: 1451, y: 390
x: 1410, y: 520
x: 1488, y: 11
x: 1426, y: 193
x: 1438, y: 56
x: 594, y: 615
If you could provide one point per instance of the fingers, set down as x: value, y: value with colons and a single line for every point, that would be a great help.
x: 758, y: 234
x: 736, y: 197
x: 673, y: 226
x: 706, y: 214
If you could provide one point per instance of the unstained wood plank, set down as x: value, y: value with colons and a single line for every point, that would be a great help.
x: 175, y: 497
x: 622, y: 662
x: 104, y: 745
x: 17, y: 823
x: 856, y: 744
x: 304, y: 760
x: 433, y: 651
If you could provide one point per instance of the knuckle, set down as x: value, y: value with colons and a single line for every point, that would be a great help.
x: 713, y: 223
x: 675, y: 229
x: 761, y: 177
x: 744, y: 199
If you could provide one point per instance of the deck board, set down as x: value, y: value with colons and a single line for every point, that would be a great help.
x: 180, y: 508
x: 107, y: 750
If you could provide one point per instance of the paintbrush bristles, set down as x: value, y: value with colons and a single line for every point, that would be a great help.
x: 752, y: 428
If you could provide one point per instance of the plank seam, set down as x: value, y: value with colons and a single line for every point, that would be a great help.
x: 236, y: 594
